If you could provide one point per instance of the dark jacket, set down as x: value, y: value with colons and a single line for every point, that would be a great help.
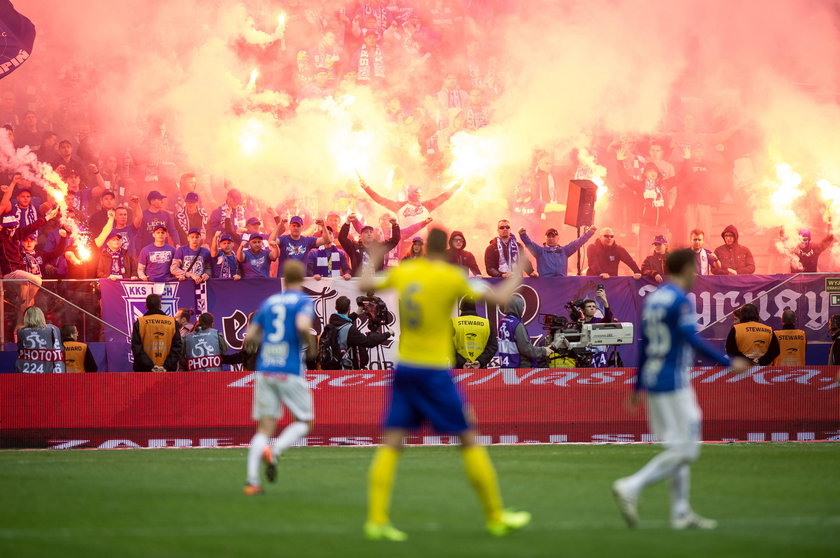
x: 654, y: 265
x: 491, y: 257
x: 605, y: 259
x: 357, y: 341
x: 461, y: 257
x: 655, y: 209
x: 736, y: 257
x: 356, y: 250
x: 11, y: 258
x: 142, y: 362
x: 103, y: 266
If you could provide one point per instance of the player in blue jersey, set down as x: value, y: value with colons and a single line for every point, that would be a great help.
x: 669, y: 339
x: 282, y: 326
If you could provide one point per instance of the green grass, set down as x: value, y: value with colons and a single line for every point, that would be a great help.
x: 771, y: 500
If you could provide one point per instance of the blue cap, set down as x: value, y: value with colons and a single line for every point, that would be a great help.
x: 253, y: 221
x: 660, y: 239
x: 417, y: 239
x: 225, y: 237
x: 154, y: 195
x: 113, y: 234
x: 193, y: 230
x: 159, y: 226
x: 191, y: 197
x: 296, y: 219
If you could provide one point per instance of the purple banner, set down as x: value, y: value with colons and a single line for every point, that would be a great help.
x: 716, y: 296
x: 124, y: 301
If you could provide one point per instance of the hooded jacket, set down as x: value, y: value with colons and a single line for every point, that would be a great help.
x: 358, y: 341
x: 735, y: 257
x: 553, y: 261
x: 461, y: 257
x: 527, y: 351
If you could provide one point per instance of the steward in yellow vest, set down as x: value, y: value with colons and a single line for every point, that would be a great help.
x: 475, y: 342
x: 155, y: 341
x: 751, y: 339
x: 77, y: 356
x: 792, y: 342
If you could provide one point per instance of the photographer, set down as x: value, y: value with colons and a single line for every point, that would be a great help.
x: 514, y: 341
x: 347, y: 344
x: 589, y: 308
x: 474, y: 339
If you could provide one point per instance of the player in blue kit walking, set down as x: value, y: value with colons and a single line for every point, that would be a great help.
x: 282, y: 326
x: 669, y: 338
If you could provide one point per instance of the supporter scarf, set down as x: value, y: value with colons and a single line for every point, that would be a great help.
x: 702, y: 262
x: 225, y: 271
x: 237, y: 216
x: 476, y: 118
x: 328, y: 262
x: 117, y: 267
x: 504, y: 265
x: 184, y: 221
x: 33, y: 266
x: 26, y: 216
x: 363, y: 73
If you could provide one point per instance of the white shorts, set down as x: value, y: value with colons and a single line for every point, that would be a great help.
x: 674, y: 417
x: 273, y: 391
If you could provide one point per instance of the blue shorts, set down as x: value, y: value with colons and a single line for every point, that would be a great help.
x: 425, y: 393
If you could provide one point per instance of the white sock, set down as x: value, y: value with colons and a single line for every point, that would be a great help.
x: 680, y: 483
x: 289, y: 436
x: 661, y: 466
x: 258, y: 443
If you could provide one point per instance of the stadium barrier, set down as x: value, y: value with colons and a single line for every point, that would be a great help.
x: 148, y: 410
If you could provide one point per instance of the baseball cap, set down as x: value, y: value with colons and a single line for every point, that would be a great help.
x: 296, y: 219
x: 256, y: 235
x: 253, y: 221
x: 113, y: 234
x: 225, y: 237
x: 24, y: 189
x: 9, y: 220
x: 660, y: 239
x: 109, y: 193
x: 159, y: 226
x: 193, y: 230
x: 154, y: 195
x: 191, y: 197
x: 417, y: 239
x: 551, y: 232
x: 32, y: 236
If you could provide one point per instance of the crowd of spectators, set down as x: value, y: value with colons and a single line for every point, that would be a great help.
x: 145, y: 213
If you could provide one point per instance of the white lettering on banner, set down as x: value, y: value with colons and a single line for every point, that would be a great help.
x: 66, y: 444
x: 351, y: 441
x: 114, y: 444
x: 215, y: 442
x: 562, y: 377
x: 613, y: 438
x: 170, y: 443
x: 721, y: 309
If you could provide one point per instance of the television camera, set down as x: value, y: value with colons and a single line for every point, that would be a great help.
x: 578, y: 340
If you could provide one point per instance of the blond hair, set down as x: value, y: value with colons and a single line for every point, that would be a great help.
x: 34, y: 317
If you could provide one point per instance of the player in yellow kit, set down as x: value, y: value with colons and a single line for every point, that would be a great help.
x: 423, y: 389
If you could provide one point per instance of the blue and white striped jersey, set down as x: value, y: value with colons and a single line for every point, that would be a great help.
x: 281, y: 348
x: 669, y: 338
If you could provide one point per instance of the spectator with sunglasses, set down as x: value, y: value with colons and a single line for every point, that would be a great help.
x: 605, y: 254
x: 504, y: 252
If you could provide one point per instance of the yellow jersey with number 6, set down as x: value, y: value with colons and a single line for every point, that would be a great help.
x: 428, y: 291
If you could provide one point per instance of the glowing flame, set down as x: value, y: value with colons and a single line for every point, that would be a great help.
x: 250, y: 139
x: 57, y: 195
x: 252, y: 81
x: 351, y: 152
x: 830, y: 194
x: 281, y: 23
x: 474, y: 157
x: 787, y: 189
x: 84, y: 253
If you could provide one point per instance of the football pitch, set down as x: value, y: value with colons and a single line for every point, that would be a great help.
x: 770, y: 500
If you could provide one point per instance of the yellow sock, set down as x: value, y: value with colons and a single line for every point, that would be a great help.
x: 381, y: 475
x: 482, y: 475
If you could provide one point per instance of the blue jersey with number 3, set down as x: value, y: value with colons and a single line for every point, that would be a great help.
x: 669, y: 338
x: 281, y: 349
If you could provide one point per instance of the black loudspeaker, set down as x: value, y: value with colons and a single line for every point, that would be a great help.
x: 580, y: 203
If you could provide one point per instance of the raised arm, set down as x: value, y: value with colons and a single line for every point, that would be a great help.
x: 383, y: 201
x: 106, y: 230
x: 214, y: 244
x: 436, y: 202
x: 6, y: 200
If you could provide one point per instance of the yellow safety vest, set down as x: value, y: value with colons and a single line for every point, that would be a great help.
x: 471, y: 335
x: 156, y: 333
x: 74, y: 356
x: 792, y: 346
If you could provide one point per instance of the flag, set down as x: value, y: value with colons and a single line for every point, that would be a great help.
x: 17, y: 35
